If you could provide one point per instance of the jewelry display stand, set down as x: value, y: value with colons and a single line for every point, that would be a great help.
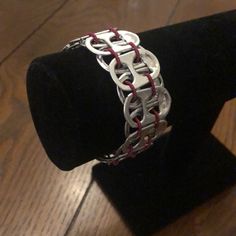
x: 78, y: 117
x: 190, y: 165
x: 74, y: 102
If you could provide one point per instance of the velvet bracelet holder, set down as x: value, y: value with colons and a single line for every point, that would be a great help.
x: 74, y: 103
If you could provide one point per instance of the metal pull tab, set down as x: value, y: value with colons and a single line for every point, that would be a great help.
x: 118, y: 45
x: 144, y: 103
x: 139, y: 80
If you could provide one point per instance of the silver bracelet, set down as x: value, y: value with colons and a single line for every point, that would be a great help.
x: 140, y: 87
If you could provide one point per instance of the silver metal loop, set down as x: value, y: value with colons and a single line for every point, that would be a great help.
x: 139, y: 80
x: 140, y: 67
x: 149, y: 131
x: 118, y: 46
x: 139, y: 146
x: 146, y: 101
x: 164, y: 102
x: 157, y: 82
x: 77, y: 42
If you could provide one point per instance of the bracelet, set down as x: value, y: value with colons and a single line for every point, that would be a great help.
x: 140, y: 88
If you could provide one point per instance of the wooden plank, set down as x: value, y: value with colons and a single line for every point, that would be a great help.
x: 216, y: 217
x: 35, y: 197
x: 95, y: 16
x: 98, y: 217
x: 225, y: 126
x: 191, y: 9
x: 20, y: 18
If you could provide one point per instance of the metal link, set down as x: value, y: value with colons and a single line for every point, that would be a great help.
x: 148, y: 131
x: 118, y: 46
x: 138, y: 145
x: 140, y: 67
x: 157, y: 82
x: 78, y: 42
x: 139, y: 80
x: 147, y: 103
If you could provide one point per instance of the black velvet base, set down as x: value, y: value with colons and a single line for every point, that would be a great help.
x: 78, y: 115
x: 151, y: 192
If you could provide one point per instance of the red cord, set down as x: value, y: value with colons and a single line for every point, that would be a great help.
x: 157, y: 118
x: 94, y: 36
x: 131, y: 87
x: 115, y: 162
x: 151, y: 81
x: 138, y: 57
x: 139, y: 126
x: 114, y: 30
x: 115, y: 54
x: 131, y: 151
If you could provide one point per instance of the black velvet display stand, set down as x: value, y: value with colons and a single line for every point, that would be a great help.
x: 79, y: 117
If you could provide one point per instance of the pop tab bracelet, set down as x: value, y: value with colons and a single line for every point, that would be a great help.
x: 140, y: 87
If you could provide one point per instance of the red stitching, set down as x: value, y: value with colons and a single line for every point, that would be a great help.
x: 131, y: 87
x: 151, y: 81
x: 139, y: 126
x: 156, y: 117
x: 115, y: 54
x: 114, y: 30
x: 138, y: 57
x: 115, y: 162
x: 95, y: 38
x: 131, y: 151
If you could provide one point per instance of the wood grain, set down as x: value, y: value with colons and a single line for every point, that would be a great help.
x: 19, y: 19
x: 102, y: 219
x: 225, y: 126
x: 192, y: 9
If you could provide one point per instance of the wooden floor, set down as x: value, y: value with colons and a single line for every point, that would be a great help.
x: 35, y: 197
